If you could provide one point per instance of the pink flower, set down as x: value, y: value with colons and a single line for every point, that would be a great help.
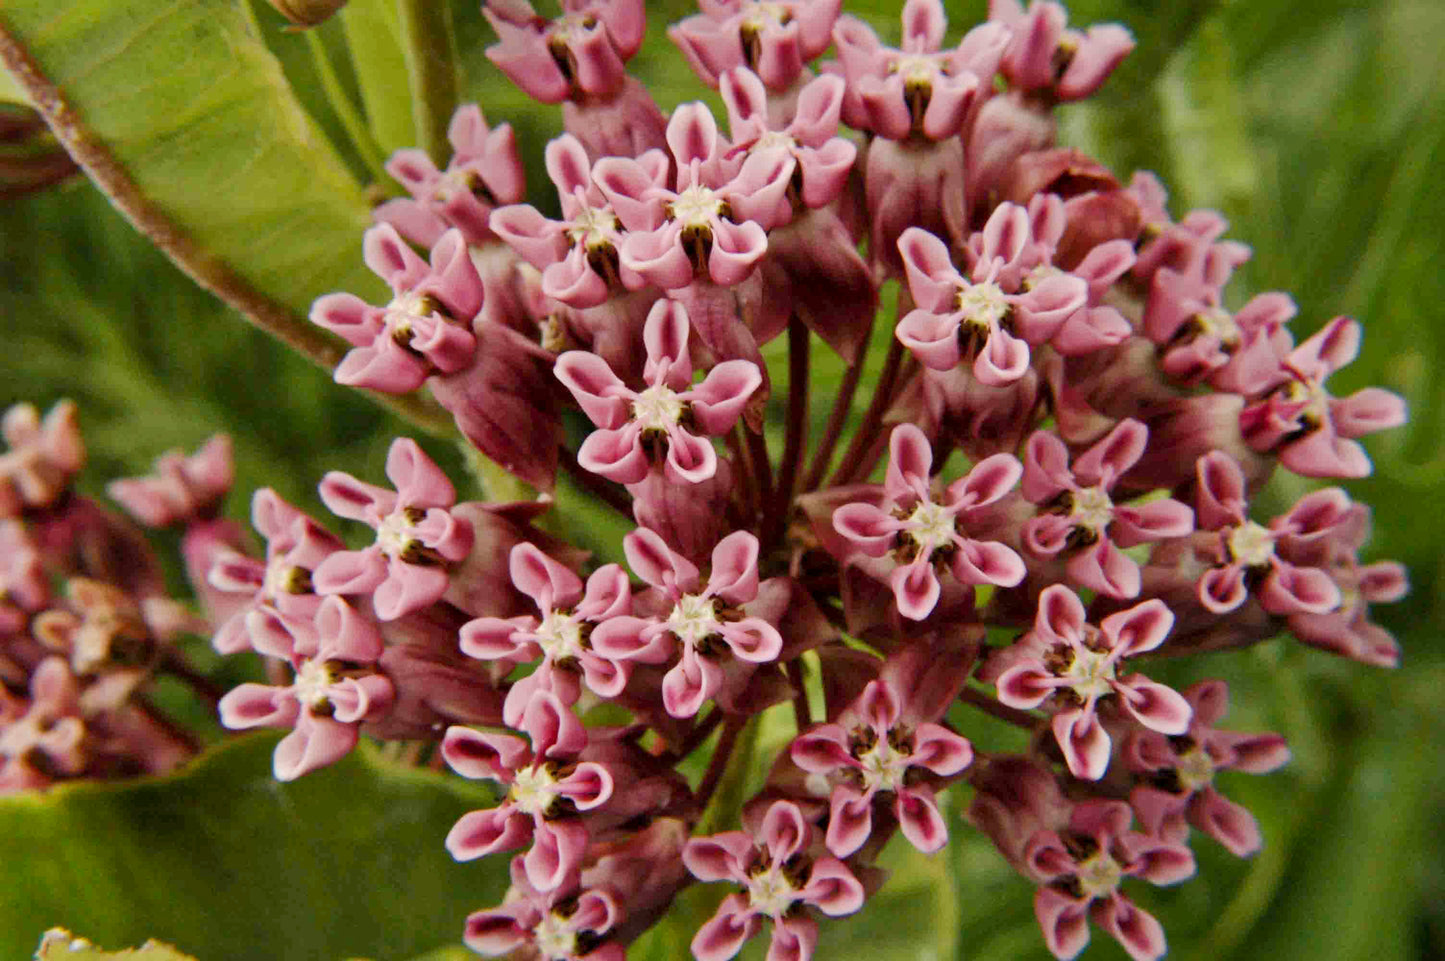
x: 873, y: 749
x: 182, y: 489
x: 42, y: 738
x: 1074, y: 666
x: 993, y: 315
x: 923, y: 536
x: 561, y: 638
x: 335, y: 689
x: 823, y: 159
x: 1043, y: 56
x: 1078, y: 515
x: 417, y: 534
x: 1313, y: 433
x: 917, y: 90
x: 1278, y: 563
x: 780, y: 877
x: 774, y: 39
x: 485, y: 170
x: 1200, y: 340
x: 567, y: 923
x: 1177, y: 787
x: 1080, y: 870
x: 701, y: 618
x: 425, y: 329
x: 42, y: 459
x: 636, y: 428
x: 578, y: 255
x: 22, y: 574
x: 280, y: 587
x: 545, y: 789
x: 582, y: 53
x: 715, y: 224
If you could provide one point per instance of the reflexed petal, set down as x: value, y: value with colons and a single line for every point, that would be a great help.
x: 1138, y: 931
x: 1106, y: 569
x: 721, y: 857
x: 784, y: 831
x: 825, y: 748
x: 1085, y: 743
x: 1061, y: 615
x: 722, y: 936
x: 832, y: 888
x: 350, y: 572
x: 544, y: 580
x: 616, y: 454
x: 1112, y: 457
x: 1025, y: 686
x: 940, y: 750
x: 850, y: 820
x: 871, y: 529
x: 1153, y: 705
x: 987, y: 562
x: 477, y: 754
x: 316, y: 743
x: 1141, y: 628
x: 919, y: 819
x: 1228, y: 823
x: 915, y: 588
x: 794, y: 939
x: 910, y: 462
x: 256, y: 705
x: 1063, y: 920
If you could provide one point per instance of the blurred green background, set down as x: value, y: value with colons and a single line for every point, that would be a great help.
x: 1316, y: 128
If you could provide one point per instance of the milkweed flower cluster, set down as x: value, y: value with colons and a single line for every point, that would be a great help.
x: 1066, y: 435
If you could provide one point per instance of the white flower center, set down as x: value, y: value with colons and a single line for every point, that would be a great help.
x: 693, y: 618
x: 1195, y: 769
x: 560, y: 635
x: 405, y: 309
x: 933, y: 526
x: 697, y: 206
x: 554, y: 937
x: 533, y: 790
x: 593, y: 227
x: 982, y: 305
x: 775, y: 138
x: 1090, y: 674
x: 283, y: 578
x: 1091, y: 508
x: 883, y: 766
x: 657, y: 408
x: 1251, y: 544
x: 762, y: 15
x: 1219, y: 324
x: 915, y: 68
x: 452, y: 184
x: 1099, y: 875
x: 770, y: 893
x: 313, y: 678
x: 393, y: 534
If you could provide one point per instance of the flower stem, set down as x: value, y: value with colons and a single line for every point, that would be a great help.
x: 1003, y: 712
x: 431, y: 59
x: 863, y: 439
x: 718, y: 763
x: 842, y: 404
x: 602, y: 489
x: 346, y: 112
x: 776, y: 520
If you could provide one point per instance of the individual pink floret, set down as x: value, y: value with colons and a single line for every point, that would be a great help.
x: 545, y: 787
x: 774, y: 39
x: 417, y: 534
x: 1280, y: 564
x: 1313, y: 433
x: 919, y: 89
x: 564, y: 924
x: 560, y: 641
x: 335, y: 690
x: 42, y: 738
x: 702, y: 619
x: 1078, y: 515
x: 424, y: 330
x: 1044, y: 56
x: 44, y: 456
x: 923, y: 536
x: 780, y: 876
x: 824, y: 160
x: 280, y: 586
x: 715, y: 224
x: 1178, y: 772
x: 1080, y: 869
x: 578, y: 255
x: 485, y: 171
x: 582, y: 53
x: 181, y: 489
x: 992, y: 316
x: 1074, y: 666
x: 637, y: 428
x: 871, y: 750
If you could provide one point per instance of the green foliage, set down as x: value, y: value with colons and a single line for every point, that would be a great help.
x: 225, y: 862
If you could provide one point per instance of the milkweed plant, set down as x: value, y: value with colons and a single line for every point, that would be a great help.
x: 1030, y: 482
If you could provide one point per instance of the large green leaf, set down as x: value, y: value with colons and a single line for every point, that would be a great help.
x: 225, y: 863
x: 190, y: 123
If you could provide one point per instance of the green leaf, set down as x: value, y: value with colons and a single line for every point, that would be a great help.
x: 187, y: 120
x: 60, y: 944
x: 226, y: 863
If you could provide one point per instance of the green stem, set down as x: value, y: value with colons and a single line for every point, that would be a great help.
x: 431, y: 63
x: 346, y: 112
